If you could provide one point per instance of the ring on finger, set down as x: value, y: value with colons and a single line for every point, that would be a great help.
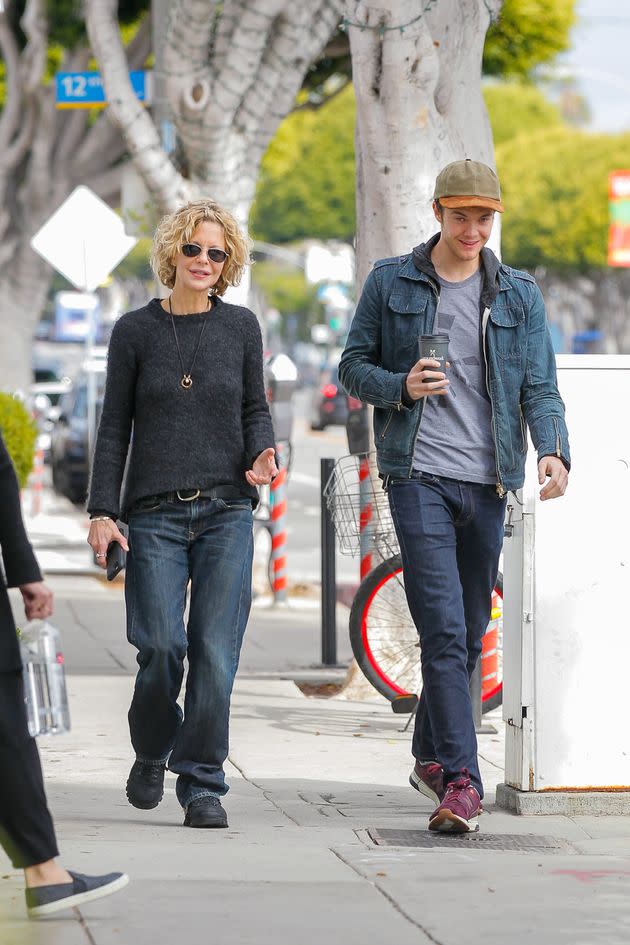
x: 101, y: 554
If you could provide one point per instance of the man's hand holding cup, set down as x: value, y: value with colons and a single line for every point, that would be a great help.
x: 427, y: 377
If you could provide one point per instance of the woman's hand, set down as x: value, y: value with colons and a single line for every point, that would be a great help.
x: 263, y: 469
x: 38, y: 600
x: 102, y: 533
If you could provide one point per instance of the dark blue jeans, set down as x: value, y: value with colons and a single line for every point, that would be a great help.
x: 450, y: 535
x: 209, y: 543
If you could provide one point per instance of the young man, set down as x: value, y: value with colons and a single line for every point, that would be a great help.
x: 449, y: 447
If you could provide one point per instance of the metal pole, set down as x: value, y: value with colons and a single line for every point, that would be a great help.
x: 278, y: 504
x: 159, y: 25
x: 366, y: 512
x: 475, y: 695
x: 329, y: 578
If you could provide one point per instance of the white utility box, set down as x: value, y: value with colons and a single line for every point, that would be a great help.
x: 566, y: 638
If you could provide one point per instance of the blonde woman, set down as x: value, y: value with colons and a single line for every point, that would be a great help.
x: 186, y: 374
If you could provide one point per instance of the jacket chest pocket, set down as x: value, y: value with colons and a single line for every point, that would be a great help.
x: 507, y: 326
x: 406, y: 322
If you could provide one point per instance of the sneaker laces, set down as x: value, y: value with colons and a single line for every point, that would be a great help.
x: 459, y: 783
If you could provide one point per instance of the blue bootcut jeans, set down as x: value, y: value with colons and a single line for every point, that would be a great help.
x: 450, y: 535
x: 209, y: 542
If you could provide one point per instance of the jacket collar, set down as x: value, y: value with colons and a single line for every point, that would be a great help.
x: 419, y: 264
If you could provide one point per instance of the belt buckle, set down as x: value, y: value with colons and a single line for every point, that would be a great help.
x: 188, y: 498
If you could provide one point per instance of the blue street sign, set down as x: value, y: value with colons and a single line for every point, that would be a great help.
x: 85, y: 89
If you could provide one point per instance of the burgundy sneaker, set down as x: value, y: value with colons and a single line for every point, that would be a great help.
x: 459, y: 809
x: 429, y: 780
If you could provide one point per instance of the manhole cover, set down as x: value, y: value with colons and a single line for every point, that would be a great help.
x: 485, y: 841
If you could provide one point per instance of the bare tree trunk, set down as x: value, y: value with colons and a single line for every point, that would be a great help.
x: 416, y: 67
x: 419, y: 106
x: 44, y: 155
x: 232, y: 73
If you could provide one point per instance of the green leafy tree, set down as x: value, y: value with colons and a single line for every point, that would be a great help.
x: 528, y: 33
x: 19, y: 433
x: 517, y: 108
x: 286, y: 289
x: 555, y: 190
x: 306, y: 186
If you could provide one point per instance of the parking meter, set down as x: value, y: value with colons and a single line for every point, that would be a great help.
x: 357, y: 427
x: 280, y: 382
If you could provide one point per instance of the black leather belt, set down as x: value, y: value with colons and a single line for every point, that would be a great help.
x: 188, y: 495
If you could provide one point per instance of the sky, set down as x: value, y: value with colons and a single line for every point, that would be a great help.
x: 600, y: 61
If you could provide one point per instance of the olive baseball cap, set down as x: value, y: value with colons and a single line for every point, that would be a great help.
x: 468, y: 184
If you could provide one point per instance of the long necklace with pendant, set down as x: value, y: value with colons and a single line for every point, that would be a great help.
x: 186, y: 380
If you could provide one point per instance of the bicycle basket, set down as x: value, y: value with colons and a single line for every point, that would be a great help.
x: 358, y: 506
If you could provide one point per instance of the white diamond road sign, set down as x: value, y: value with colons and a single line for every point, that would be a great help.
x: 83, y: 239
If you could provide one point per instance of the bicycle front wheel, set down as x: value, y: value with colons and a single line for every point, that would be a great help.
x: 383, y: 636
x: 385, y: 641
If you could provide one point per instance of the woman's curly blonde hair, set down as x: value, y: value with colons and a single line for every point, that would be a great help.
x: 177, y: 228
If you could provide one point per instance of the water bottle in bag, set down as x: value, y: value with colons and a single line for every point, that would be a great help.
x: 44, y: 679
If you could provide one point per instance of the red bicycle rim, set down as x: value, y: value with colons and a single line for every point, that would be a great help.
x: 370, y: 655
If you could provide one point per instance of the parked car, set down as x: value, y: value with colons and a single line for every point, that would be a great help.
x: 71, y: 435
x: 49, y: 379
x: 330, y: 401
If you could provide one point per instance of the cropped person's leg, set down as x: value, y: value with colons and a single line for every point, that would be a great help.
x: 478, y: 551
x: 426, y: 514
x: 26, y: 828
x: 221, y: 574
x: 155, y: 592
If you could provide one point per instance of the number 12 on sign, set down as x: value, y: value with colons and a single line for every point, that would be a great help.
x: 85, y: 89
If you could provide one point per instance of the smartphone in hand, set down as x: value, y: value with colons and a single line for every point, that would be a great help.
x: 116, y: 556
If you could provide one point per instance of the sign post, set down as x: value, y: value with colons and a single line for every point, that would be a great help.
x: 84, y: 240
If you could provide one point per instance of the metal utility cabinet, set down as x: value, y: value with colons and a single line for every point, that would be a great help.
x: 567, y: 610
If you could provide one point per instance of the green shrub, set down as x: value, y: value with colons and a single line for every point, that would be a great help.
x: 19, y: 433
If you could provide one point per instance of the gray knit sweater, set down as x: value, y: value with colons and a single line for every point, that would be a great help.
x: 180, y: 439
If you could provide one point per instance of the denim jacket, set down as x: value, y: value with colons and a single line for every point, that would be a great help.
x: 398, y: 304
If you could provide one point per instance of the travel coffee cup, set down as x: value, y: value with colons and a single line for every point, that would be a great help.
x: 436, y: 347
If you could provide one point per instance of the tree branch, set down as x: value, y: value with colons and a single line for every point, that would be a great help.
x: 166, y: 185
x: 140, y: 46
x: 103, y: 143
x: 11, y: 111
x: 291, y: 50
x: 12, y: 155
x: 241, y: 67
x: 108, y: 184
x: 190, y: 29
x: 71, y: 125
x: 34, y: 24
x: 225, y: 24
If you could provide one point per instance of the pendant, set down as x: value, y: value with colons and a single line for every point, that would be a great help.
x: 186, y: 381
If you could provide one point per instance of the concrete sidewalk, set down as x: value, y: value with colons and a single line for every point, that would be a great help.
x: 315, y: 786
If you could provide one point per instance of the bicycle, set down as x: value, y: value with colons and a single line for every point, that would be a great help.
x: 383, y: 637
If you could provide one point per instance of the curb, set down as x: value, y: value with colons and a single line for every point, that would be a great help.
x: 564, y: 803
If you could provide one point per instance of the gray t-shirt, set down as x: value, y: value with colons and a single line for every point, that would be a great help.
x: 455, y: 435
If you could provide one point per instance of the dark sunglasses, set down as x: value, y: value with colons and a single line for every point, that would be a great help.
x: 216, y: 255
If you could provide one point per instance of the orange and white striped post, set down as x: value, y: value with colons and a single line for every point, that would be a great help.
x: 37, y: 481
x: 278, y: 503
x: 365, y: 516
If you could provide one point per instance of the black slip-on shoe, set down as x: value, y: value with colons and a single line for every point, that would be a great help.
x: 205, y: 811
x: 145, y: 784
x: 46, y: 900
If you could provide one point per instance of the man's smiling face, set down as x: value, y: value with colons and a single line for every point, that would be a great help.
x: 465, y: 230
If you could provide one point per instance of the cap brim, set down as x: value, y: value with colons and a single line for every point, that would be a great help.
x: 453, y: 202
